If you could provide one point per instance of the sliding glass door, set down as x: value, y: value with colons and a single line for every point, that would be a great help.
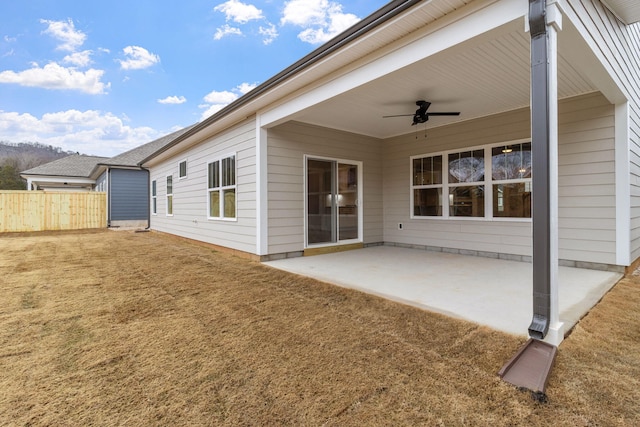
x: 333, y: 212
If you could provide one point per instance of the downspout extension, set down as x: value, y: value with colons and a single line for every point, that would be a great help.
x: 540, y: 136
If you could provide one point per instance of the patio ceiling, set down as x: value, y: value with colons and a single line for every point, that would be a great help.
x: 486, y: 75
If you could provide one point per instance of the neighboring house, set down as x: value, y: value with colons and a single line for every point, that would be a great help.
x: 307, y: 161
x: 71, y: 173
x: 127, y: 184
x: 121, y: 177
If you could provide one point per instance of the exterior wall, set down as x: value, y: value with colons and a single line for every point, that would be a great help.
x: 128, y: 195
x: 619, y: 46
x: 586, y: 180
x: 101, y: 183
x: 190, y: 194
x: 287, y: 146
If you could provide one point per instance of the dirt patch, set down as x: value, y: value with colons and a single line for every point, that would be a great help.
x: 106, y: 328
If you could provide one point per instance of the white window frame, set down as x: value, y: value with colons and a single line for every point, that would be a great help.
x: 154, y: 197
x: 180, y: 176
x: 222, y: 188
x: 169, y: 196
x: 488, y: 183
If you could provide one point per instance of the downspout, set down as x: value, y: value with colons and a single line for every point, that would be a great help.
x: 108, y: 197
x: 540, y: 136
x: 148, y: 198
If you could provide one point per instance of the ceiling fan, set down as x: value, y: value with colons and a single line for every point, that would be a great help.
x: 422, y: 115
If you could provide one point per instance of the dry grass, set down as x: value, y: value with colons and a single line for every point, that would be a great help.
x: 106, y: 328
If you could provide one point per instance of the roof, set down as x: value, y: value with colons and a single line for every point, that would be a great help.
x: 373, y: 21
x: 76, y: 165
x: 135, y: 156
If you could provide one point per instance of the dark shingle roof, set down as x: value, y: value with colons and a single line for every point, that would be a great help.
x: 134, y: 156
x: 77, y: 165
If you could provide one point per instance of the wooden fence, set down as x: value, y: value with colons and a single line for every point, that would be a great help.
x: 40, y: 211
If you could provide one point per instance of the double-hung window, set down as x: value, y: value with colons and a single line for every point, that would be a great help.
x: 154, y: 199
x: 484, y: 182
x: 169, y: 195
x: 221, y: 199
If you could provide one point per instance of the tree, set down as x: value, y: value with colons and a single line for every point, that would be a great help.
x: 10, y: 176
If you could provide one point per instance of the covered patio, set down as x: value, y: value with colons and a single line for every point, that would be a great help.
x: 493, y: 292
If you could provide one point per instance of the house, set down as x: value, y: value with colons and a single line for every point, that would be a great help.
x: 321, y: 157
x: 121, y: 177
x: 71, y: 173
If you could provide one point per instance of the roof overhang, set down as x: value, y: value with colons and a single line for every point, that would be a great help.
x: 59, y: 182
x: 628, y: 11
x: 471, y: 56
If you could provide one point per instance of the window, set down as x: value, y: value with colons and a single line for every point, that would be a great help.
x: 170, y: 195
x: 154, y: 201
x: 511, y: 176
x: 222, y: 188
x: 487, y: 182
x: 466, y: 179
x: 427, y: 186
x: 182, y: 169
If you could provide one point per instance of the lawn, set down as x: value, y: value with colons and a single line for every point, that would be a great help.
x: 124, y: 328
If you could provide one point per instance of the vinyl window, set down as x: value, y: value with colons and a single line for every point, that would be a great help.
x: 182, y: 169
x: 170, y: 195
x: 484, y: 182
x: 221, y: 188
x: 154, y: 198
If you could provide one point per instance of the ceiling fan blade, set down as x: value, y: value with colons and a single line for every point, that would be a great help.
x: 444, y: 114
x: 398, y: 115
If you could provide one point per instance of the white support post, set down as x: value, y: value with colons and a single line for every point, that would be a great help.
x: 262, y: 211
x: 554, y: 24
x: 545, y: 19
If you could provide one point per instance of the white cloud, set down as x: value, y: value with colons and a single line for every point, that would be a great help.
x: 239, y: 12
x: 54, y: 76
x: 226, y: 30
x: 173, y: 100
x: 65, y: 32
x: 80, y: 59
x: 89, y: 132
x: 270, y: 33
x: 321, y: 20
x: 224, y: 97
x: 138, y: 58
x: 216, y: 101
x: 245, y: 87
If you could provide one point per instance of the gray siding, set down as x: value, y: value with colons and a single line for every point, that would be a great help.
x: 620, y: 48
x: 287, y: 146
x: 128, y: 195
x: 190, y: 194
x: 586, y: 185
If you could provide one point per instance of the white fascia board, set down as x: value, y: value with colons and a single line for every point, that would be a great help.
x: 456, y: 32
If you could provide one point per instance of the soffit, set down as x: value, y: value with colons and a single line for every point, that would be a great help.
x: 628, y: 11
x: 484, y: 76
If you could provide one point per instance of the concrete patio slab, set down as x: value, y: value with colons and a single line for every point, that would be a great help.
x: 492, y: 292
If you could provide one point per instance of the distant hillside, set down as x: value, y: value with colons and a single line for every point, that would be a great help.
x: 17, y: 157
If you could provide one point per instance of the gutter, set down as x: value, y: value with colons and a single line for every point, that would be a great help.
x: 382, y: 15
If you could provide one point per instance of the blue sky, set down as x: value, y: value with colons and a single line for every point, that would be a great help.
x: 103, y: 77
